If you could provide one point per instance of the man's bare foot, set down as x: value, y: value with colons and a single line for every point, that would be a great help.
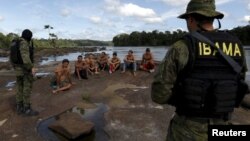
x: 54, y: 92
x: 134, y: 74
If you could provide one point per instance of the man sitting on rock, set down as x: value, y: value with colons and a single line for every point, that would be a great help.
x: 129, y: 62
x: 62, y: 74
x: 114, y: 63
x: 81, y: 70
x: 147, y: 63
x: 93, y: 66
x: 103, y: 61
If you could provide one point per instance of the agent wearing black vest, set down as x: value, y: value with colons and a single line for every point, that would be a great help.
x: 24, y: 74
x: 195, y: 79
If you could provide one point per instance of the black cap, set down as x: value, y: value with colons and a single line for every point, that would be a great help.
x: 27, y: 34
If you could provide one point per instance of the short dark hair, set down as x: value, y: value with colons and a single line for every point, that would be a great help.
x: 130, y: 51
x: 147, y: 49
x: 65, y: 60
x: 79, y: 56
x: 115, y: 53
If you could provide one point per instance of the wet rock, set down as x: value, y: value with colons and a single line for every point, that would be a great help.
x: 86, y: 105
x: 246, y: 101
x: 2, y: 122
x: 102, y: 48
x: 4, y: 53
x: 5, y: 65
x: 72, y: 125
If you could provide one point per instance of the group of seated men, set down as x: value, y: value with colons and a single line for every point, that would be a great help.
x: 90, y: 65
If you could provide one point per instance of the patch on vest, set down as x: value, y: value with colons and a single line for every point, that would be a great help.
x: 230, y: 49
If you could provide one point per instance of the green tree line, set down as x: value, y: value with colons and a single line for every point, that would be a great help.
x: 5, y: 41
x: 156, y: 38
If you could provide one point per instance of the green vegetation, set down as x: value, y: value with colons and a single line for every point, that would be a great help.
x: 5, y: 41
x: 156, y: 38
x: 52, y: 41
x: 243, y: 33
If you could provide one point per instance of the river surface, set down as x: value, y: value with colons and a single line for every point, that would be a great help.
x: 158, y: 53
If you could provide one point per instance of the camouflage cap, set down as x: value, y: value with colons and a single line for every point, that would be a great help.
x: 203, y: 7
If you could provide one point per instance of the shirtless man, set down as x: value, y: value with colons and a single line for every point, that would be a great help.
x: 114, y: 63
x: 147, y: 63
x: 129, y: 62
x: 80, y: 68
x: 63, y: 80
x: 93, y: 67
x: 103, y: 61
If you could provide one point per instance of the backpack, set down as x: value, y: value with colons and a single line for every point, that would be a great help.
x: 15, y: 55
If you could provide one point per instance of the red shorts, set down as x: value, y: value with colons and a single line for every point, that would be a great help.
x: 149, y: 66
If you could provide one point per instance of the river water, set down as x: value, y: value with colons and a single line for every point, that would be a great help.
x: 158, y: 52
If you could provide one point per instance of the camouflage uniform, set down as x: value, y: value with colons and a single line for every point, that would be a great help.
x: 183, y: 128
x: 24, y: 75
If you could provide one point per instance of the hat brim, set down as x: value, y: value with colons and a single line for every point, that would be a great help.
x: 210, y: 14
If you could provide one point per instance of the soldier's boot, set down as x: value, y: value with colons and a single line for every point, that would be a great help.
x: 28, y: 111
x: 19, y: 108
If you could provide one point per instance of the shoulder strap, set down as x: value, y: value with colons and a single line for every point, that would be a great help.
x: 236, y: 67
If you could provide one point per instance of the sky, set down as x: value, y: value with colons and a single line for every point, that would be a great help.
x: 104, y: 19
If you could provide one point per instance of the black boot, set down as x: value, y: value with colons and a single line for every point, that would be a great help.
x: 28, y: 111
x: 19, y: 108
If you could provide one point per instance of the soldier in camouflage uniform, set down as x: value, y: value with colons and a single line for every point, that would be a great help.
x: 193, y: 78
x: 24, y: 75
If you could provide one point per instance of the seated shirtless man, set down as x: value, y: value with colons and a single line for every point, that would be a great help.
x: 103, y: 61
x: 62, y: 74
x: 81, y: 71
x: 129, y: 62
x: 114, y: 63
x: 93, y: 66
x: 147, y: 63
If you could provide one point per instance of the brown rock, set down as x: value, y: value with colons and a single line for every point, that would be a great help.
x: 72, y: 125
x: 246, y: 101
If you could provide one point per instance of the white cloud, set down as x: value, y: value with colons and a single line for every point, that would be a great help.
x: 246, y: 18
x: 65, y: 12
x: 175, y: 2
x: 221, y: 2
x: 131, y: 10
x: 95, y: 19
x: 112, y: 4
x: 1, y: 18
x: 135, y: 10
x: 185, y: 2
x: 153, y: 20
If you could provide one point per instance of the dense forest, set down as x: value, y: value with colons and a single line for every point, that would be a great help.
x: 156, y: 38
x: 5, y: 41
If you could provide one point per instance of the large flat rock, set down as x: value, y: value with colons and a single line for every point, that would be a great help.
x: 72, y: 125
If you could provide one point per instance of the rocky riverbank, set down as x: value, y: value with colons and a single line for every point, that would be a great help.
x: 131, y: 113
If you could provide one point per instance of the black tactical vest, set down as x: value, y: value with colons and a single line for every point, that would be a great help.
x: 15, y: 54
x: 208, y: 86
